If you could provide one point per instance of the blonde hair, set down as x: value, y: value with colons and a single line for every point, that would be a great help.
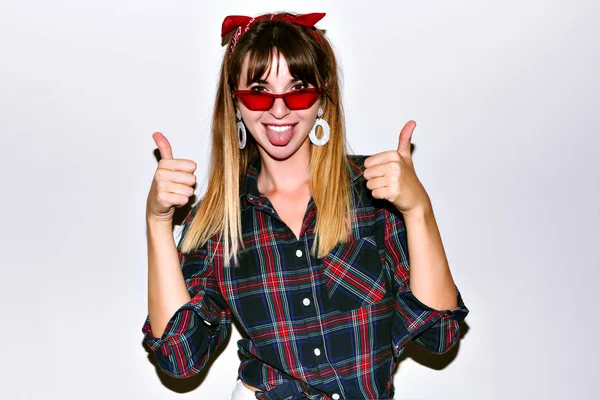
x: 308, y: 60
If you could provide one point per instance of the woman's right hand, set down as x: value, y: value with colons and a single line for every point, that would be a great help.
x: 173, y: 182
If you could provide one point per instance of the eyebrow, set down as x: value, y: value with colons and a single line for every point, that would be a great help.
x: 262, y: 81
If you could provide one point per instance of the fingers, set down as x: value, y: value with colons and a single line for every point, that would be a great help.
x: 185, y: 178
x: 178, y: 164
x: 404, y: 143
x: 166, y: 154
x: 382, y: 158
x: 383, y: 193
x: 164, y: 147
x: 376, y: 183
x: 177, y: 188
x: 404, y: 139
x: 168, y: 200
x: 173, y: 183
x: 378, y: 170
x: 170, y: 189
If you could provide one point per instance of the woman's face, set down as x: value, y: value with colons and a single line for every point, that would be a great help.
x: 279, y: 132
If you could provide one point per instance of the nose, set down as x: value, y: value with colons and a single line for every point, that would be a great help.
x: 279, y: 109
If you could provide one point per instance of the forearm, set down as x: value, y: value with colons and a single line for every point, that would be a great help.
x: 430, y: 278
x: 167, y: 291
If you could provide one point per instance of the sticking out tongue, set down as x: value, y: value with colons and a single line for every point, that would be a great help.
x: 280, y: 138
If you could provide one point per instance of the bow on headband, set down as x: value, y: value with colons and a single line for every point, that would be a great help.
x: 241, y: 24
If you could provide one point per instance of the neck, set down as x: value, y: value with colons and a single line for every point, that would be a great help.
x: 284, y: 175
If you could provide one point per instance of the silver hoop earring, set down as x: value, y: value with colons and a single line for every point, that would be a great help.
x: 241, y: 130
x: 313, y: 132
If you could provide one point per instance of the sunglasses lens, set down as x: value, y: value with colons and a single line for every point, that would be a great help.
x: 301, y: 100
x: 296, y: 100
x: 256, y: 101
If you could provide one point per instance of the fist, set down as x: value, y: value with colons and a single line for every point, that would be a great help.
x: 173, y: 182
x: 391, y: 175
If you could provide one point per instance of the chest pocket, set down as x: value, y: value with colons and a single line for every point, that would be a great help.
x: 354, y: 275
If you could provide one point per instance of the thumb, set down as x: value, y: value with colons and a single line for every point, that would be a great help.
x: 404, y: 140
x: 164, y: 147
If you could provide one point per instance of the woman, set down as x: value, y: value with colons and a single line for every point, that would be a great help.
x: 305, y: 245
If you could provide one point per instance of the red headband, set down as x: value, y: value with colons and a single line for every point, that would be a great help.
x: 242, y: 24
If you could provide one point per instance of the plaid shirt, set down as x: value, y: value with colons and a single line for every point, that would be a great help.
x: 327, y: 328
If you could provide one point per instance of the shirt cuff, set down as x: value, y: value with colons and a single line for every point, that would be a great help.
x: 184, y: 346
x: 413, y: 318
x: 188, y: 317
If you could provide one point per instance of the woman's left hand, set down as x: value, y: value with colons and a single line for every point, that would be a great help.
x: 390, y: 175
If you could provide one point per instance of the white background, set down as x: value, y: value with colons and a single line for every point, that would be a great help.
x: 506, y: 97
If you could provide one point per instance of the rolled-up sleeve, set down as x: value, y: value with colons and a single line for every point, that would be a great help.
x: 434, y: 330
x: 199, y: 327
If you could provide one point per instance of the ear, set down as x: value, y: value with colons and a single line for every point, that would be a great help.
x: 230, y: 84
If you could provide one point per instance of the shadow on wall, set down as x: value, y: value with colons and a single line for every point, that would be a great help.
x: 432, y: 360
x: 189, y: 384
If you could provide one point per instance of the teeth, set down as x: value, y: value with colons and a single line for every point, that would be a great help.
x: 279, y: 128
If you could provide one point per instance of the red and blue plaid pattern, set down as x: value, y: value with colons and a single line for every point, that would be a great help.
x: 327, y: 328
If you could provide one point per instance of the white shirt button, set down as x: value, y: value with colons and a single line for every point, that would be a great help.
x: 298, y: 253
x: 306, y: 301
x: 335, y: 396
x: 207, y: 323
x: 317, y: 352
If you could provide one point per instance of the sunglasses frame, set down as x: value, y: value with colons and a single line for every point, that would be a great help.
x: 241, y: 93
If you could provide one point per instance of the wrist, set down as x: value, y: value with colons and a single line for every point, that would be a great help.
x: 167, y: 219
x: 422, y: 211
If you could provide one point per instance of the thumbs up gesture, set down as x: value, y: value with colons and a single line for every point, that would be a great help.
x: 390, y: 175
x: 173, y: 182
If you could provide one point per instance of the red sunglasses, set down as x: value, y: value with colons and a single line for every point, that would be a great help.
x: 255, y: 100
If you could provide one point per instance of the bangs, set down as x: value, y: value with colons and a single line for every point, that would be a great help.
x: 306, y: 61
